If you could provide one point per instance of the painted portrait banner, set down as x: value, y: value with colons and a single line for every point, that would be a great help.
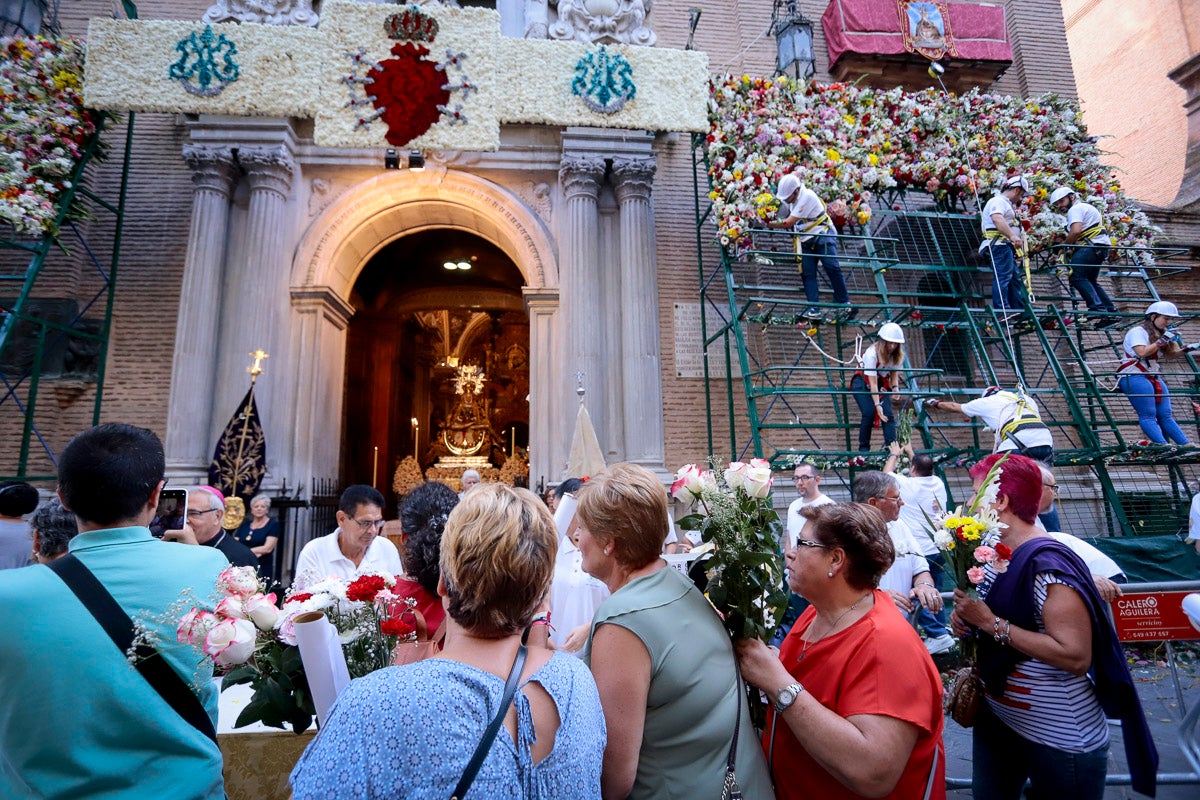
x: 428, y: 77
x: 926, y: 28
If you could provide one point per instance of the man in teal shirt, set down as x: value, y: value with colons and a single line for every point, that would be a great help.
x: 76, y: 718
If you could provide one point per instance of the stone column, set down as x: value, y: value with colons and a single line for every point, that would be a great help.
x: 194, y: 366
x: 255, y: 309
x: 548, y: 450
x: 640, y: 359
x: 580, y: 292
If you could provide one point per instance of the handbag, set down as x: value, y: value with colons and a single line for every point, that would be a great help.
x: 161, y: 676
x: 489, y: 734
x: 964, y: 696
x: 730, y: 790
x: 423, y: 646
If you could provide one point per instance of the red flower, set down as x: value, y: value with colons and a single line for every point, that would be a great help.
x: 396, y: 626
x: 1004, y: 551
x: 300, y: 597
x: 408, y: 90
x: 364, y: 588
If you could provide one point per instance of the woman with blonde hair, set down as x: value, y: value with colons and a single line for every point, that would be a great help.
x: 410, y: 732
x: 877, y: 377
x: 261, y: 534
x: 662, y: 661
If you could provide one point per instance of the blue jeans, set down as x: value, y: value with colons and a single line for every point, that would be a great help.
x: 1085, y: 274
x: 1006, y: 285
x: 1156, y: 418
x: 823, y: 249
x: 1002, y: 760
x: 866, y: 404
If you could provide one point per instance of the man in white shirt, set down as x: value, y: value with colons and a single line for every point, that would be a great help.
x: 355, y: 547
x: 1085, y: 229
x: 1106, y: 574
x: 1002, y: 240
x: 816, y: 240
x: 908, y: 579
x: 808, y: 484
x: 1194, y: 522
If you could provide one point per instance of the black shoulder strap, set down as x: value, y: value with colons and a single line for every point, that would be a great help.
x: 119, y: 627
x: 489, y: 735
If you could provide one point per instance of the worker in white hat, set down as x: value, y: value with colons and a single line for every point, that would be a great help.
x: 877, y: 377
x: 1002, y: 240
x: 804, y: 213
x: 1140, y: 376
x: 1085, y: 230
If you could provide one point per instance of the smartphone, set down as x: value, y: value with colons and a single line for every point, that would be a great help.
x: 171, y: 512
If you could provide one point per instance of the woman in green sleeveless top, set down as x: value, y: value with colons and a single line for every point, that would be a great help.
x: 662, y: 661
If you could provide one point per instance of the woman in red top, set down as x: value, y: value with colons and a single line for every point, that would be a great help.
x: 422, y: 522
x: 857, y: 699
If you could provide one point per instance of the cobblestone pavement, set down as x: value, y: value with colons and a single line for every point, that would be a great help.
x: 1161, y: 705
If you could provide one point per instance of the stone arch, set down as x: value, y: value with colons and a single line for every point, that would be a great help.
x: 338, y: 244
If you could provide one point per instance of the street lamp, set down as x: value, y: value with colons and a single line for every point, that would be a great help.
x: 793, y: 34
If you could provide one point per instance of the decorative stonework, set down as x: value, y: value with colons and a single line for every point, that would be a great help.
x: 212, y: 168
x: 268, y: 168
x: 633, y: 177
x: 321, y: 192
x: 581, y: 176
x: 264, y: 12
x: 537, y: 196
x: 603, y: 22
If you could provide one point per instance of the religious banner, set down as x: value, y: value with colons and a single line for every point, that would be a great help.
x: 370, y: 75
x: 926, y: 28
x: 240, y: 458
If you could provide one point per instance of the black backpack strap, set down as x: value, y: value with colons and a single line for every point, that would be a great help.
x: 119, y: 627
x: 489, y: 735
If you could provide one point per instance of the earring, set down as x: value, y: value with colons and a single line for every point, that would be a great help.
x: 831, y: 573
x: 607, y: 551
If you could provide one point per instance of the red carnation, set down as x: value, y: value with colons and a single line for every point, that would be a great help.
x: 1004, y: 551
x: 300, y: 597
x: 364, y: 588
x: 396, y: 626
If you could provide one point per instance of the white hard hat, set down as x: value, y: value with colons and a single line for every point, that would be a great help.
x: 1167, y: 309
x: 1059, y: 194
x: 1014, y: 181
x: 788, y: 184
x: 890, y: 332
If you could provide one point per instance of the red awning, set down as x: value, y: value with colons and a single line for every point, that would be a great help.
x: 958, y: 31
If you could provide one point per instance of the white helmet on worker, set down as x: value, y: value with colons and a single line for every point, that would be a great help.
x: 890, y: 332
x: 1015, y: 182
x: 788, y: 185
x: 1060, y: 193
x: 1163, y: 307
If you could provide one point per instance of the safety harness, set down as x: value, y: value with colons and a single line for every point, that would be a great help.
x: 1025, y: 418
x: 810, y: 225
x: 1143, y: 366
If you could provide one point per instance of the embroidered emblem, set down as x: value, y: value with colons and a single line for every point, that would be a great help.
x: 197, y: 68
x: 604, y: 81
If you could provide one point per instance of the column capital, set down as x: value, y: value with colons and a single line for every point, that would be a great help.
x: 581, y: 175
x: 633, y: 178
x: 325, y: 300
x: 268, y: 168
x: 540, y: 300
x: 213, y: 168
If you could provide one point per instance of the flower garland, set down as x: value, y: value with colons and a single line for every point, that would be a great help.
x: 850, y: 143
x: 43, y: 128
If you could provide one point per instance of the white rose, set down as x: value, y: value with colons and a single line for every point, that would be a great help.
x: 735, y: 475
x: 240, y: 581
x: 262, y: 611
x: 231, y: 642
x: 757, y: 481
x: 231, y: 608
x: 195, y: 625
x: 689, y: 479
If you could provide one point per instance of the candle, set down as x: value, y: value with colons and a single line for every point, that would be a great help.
x: 375, y: 467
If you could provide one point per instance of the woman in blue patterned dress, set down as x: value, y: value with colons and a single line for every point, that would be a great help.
x: 408, y: 732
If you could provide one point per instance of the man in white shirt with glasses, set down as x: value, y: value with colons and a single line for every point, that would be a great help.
x: 355, y: 547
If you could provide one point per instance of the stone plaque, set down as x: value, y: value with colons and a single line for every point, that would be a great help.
x: 689, y: 345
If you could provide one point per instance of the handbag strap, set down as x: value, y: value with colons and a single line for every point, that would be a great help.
x: 489, y: 735
x: 119, y: 627
x: 737, y: 726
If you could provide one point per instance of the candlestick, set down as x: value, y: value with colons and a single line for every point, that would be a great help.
x: 416, y: 440
x: 375, y: 467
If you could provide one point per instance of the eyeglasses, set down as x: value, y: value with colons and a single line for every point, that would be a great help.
x: 895, y: 499
x: 194, y: 514
x: 1052, y: 487
x: 368, y: 524
x: 799, y: 478
x: 811, y: 543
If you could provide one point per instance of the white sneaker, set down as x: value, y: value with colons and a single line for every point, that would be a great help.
x: 940, y: 644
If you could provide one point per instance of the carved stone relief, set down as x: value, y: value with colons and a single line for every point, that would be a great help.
x: 266, y: 12
x: 600, y: 21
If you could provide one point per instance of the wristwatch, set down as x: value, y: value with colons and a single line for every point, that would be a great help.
x: 787, y: 695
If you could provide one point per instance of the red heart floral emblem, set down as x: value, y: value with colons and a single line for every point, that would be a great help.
x: 407, y: 90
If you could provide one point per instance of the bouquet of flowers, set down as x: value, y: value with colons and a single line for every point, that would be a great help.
x: 962, y: 535
x: 745, y: 572
x: 252, y: 640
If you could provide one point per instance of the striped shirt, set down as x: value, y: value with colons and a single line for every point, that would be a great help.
x: 1045, y: 704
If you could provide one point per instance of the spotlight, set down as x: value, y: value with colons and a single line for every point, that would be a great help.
x: 936, y: 70
x: 450, y: 265
x: 390, y: 159
x: 416, y: 161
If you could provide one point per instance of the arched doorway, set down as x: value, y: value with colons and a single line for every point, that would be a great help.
x: 431, y: 307
x: 343, y: 240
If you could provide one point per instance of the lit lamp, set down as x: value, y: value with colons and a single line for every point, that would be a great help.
x: 793, y: 41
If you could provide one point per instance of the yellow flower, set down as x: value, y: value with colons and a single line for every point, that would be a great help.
x: 737, y: 174
x: 849, y: 119
x: 64, y: 80
x: 833, y: 155
x: 874, y: 159
x: 864, y: 215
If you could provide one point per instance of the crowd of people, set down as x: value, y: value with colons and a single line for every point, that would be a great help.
x: 639, y: 695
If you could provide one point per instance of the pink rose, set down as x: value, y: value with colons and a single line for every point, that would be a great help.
x: 231, y: 642
x: 195, y: 625
x: 241, y: 581
x: 976, y: 575
x: 231, y: 608
x: 985, y: 554
x: 690, y: 479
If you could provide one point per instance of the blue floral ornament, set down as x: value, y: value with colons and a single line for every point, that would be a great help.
x: 197, y: 68
x: 604, y: 81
